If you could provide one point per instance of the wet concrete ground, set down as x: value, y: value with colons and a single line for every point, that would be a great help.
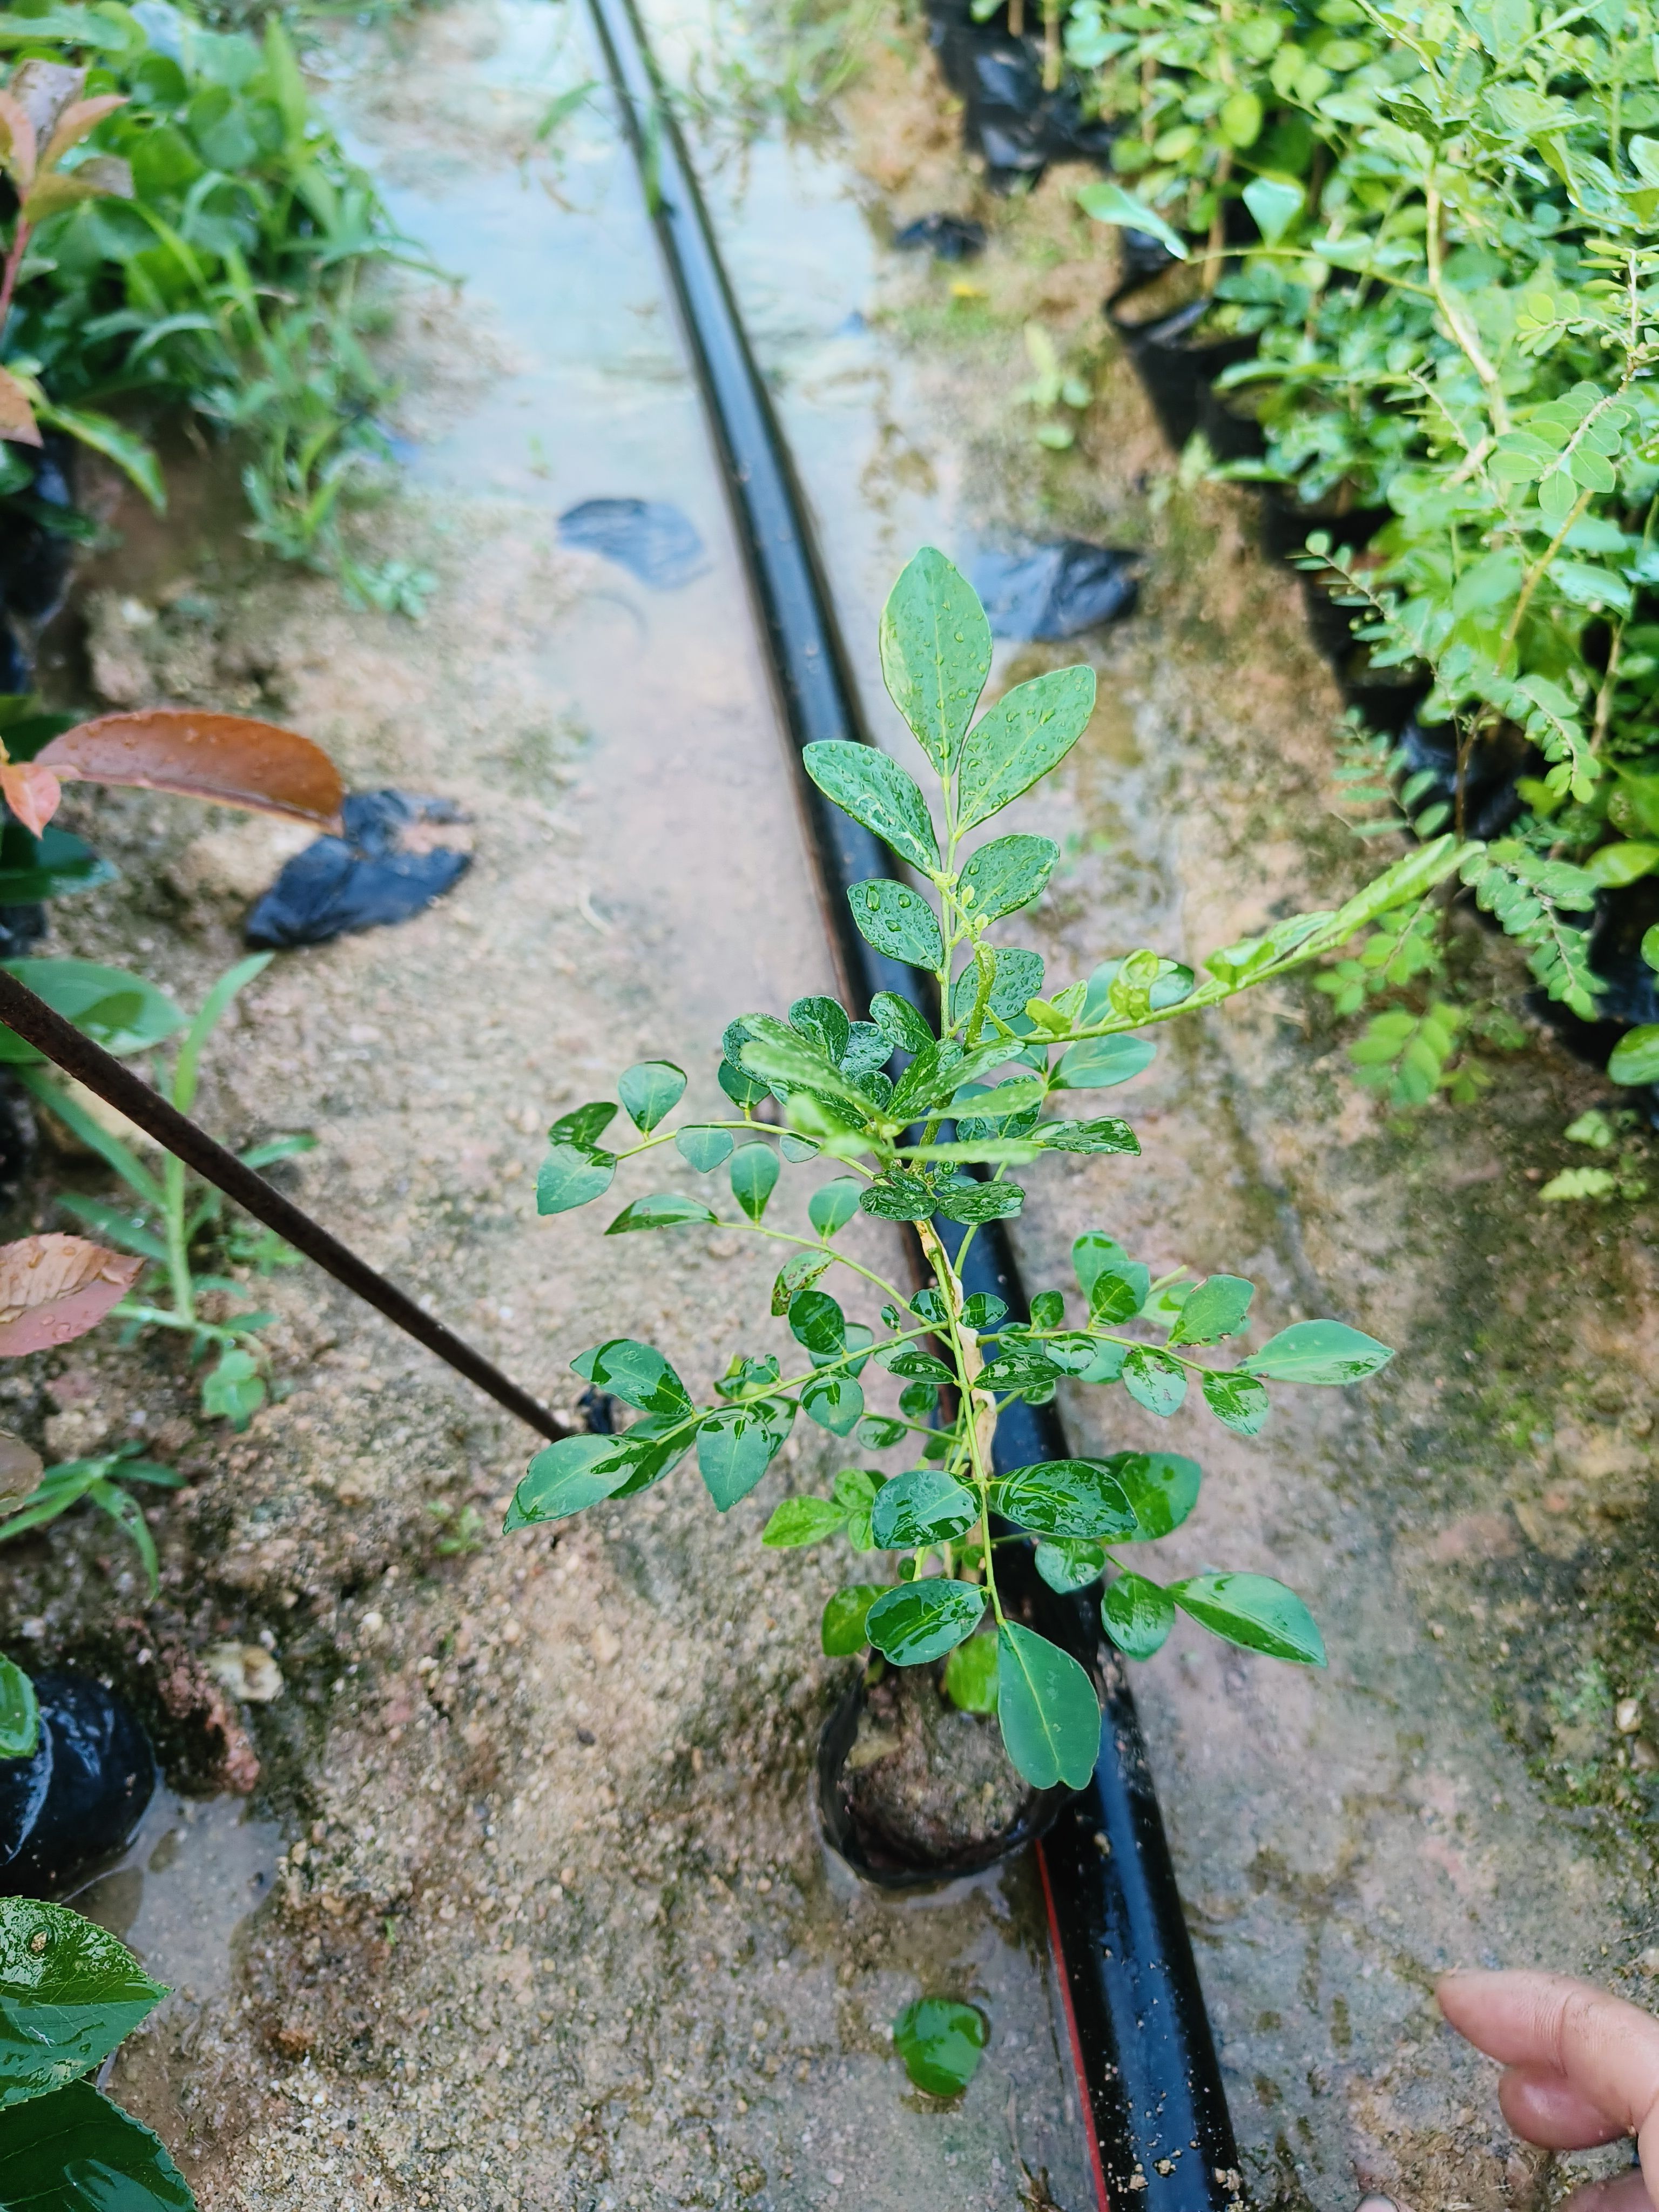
x: 552, y: 1926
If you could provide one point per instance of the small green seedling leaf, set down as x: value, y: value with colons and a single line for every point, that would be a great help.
x: 234, y: 1391
x: 754, y: 1173
x: 1100, y: 1063
x: 1049, y: 1711
x: 1109, y: 203
x: 1254, y: 1612
x: 800, y: 1521
x: 662, y: 1209
x: 1154, y: 1381
x: 1219, y: 1307
x: 845, y: 1632
x: 571, y: 1175
x: 735, y: 1447
x: 970, y: 1675
x: 1162, y: 1488
x: 1067, y: 1564
x: 835, y: 1402
x: 1237, y: 1400
x: 940, y: 2042
x: 1006, y: 875
x: 921, y: 1621
x: 1136, y: 1615
x: 20, y: 1716
x: 878, y: 793
x: 935, y: 653
x: 650, y: 1091
x: 897, y: 921
x: 1319, y: 1351
x: 833, y: 1204
x: 705, y: 1148
x: 1029, y: 732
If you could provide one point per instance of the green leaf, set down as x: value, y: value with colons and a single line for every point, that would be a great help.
x: 816, y: 1321
x: 1008, y: 873
x: 664, y: 1209
x: 234, y: 1391
x: 940, y: 2041
x: 921, y: 1621
x: 1105, y: 1135
x: 51, y: 865
x: 897, y: 921
x: 1109, y: 203
x: 1118, y: 1293
x: 1275, y: 202
x: 1029, y: 732
x: 880, y: 1432
x: 911, y: 1360
x: 122, y: 1013
x: 833, y: 1204
x: 566, y: 1477
x: 636, y: 1373
x: 1219, y: 1307
x: 571, y: 1175
x: 104, y: 435
x: 1079, y: 1498
x: 1162, y: 1488
x: 649, y: 1091
x: 899, y: 1021
x: 75, y: 2152
x: 584, y: 1125
x: 1238, y: 1401
x: 735, y: 1447
x: 741, y: 1088
x: 1634, y: 1058
x: 20, y: 1716
x: 898, y: 1196
x: 1319, y: 1351
x: 799, y: 1521
x: 844, y: 1633
x: 1614, y: 865
x: 704, y: 1148
x: 922, y: 1506
x: 970, y: 1675
x: 69, y: 1993
x: 1154, y: 1381
x: 795, y: 1276
x: 1048, y: 1710
x: 1019, y: 1367
x: 1067, y: 1564
x: 835, y: 1402
x: 754, y: 1174
x: 1094, y: 1254
x: 935, y: 653
x: 1256, y: 1612
x: 1098, y: 1063
x: 1136, y: 1615
x: 878, y: 793
x: 967, y: 1201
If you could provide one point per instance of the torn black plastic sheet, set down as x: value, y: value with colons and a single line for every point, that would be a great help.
x: 1149, y: 2096
x: 946, y: 237
x: 1010, y: 120
x: 651, y: 540
x: 388, y: 867
x: 1032, y: 591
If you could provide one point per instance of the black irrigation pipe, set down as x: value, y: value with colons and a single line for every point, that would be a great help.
x: 1161, y: 2138
x: 67, y: 1048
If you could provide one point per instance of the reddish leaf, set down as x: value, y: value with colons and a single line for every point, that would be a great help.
x: 104, y: 176
x: 54, y: 1288
x: 16, y: 139
x: 17, y: 421
x: 75, y: 121
x: 226, y: 757
x: 44, y: 91
x: 32, y: 793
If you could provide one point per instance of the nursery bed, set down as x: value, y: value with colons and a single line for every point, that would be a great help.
x: 558, y: 1932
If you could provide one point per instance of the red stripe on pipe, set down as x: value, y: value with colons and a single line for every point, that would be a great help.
x: 1092, y: 2135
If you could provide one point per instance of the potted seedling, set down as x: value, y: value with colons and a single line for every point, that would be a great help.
x: 926, y: 1111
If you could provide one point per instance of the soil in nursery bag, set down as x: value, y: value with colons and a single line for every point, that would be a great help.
x: 911, y: 1788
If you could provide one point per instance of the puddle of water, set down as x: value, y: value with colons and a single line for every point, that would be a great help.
x: 184, y: 1888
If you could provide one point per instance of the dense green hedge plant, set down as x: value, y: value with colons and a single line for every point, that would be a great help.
x: 1452, y: 286
x: 202, y: 248
x: 925, y: 1115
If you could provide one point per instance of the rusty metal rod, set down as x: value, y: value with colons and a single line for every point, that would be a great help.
x: 29, y: 1016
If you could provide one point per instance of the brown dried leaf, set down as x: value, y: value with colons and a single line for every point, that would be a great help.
x: 54, y: 1288
x: 17, y: 421
x: 224, y: 757
x: 75, y: 121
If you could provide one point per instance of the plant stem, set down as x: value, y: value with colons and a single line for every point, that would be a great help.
x: 1460, y: 329
x: 8, y: 274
